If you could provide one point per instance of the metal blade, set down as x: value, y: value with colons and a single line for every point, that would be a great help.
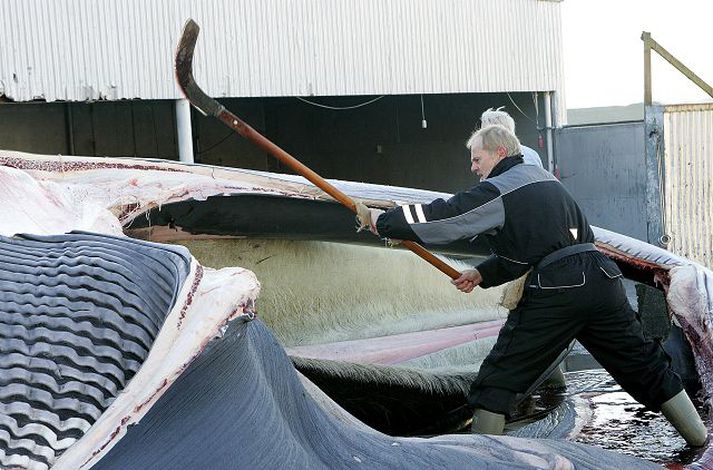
x: 184, y: 72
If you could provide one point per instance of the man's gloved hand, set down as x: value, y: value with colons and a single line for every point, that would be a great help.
x: 363, y: 215
x: 367, y: 217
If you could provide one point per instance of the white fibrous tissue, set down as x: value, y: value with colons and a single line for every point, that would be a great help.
x: 45, y: 207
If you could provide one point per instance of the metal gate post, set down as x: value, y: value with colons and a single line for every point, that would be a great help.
x: 655, y: 176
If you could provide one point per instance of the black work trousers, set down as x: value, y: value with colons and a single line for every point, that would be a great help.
x: 580, y: 296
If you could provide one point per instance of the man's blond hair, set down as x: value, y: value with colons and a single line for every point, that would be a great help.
x: 489, y: 138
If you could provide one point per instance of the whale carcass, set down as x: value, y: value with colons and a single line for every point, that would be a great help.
x: 126, y: 353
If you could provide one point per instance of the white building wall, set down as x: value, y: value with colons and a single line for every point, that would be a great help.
x: 114, y: 49
x: 688, y: 181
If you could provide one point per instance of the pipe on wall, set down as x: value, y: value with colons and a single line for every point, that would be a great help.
x: 184, y: 131
x: 548, y: 130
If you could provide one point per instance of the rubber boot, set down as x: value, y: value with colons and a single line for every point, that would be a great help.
x: 681, y: 413
x: 486, y: 422
x: 556, y: 379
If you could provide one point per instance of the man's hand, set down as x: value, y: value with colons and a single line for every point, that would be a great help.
x: 367, y: 217
x: 468, y: 280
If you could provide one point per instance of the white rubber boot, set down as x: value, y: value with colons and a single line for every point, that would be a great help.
x: 486, y: 422
x: 681, y: 413
x: 556, y: 379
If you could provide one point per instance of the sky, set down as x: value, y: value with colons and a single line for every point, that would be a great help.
x: 603, y: 52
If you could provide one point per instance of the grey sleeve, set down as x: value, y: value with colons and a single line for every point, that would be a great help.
x: 467, y: 214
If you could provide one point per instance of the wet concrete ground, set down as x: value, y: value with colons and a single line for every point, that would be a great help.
x: 621, y: 424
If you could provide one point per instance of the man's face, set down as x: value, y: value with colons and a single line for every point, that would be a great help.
x: 482, y: 161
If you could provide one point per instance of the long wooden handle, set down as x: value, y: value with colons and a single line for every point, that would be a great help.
x: 210, y: 107
x: 264, y: 143
x: 438, y: 263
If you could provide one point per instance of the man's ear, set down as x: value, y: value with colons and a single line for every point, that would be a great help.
x: 501, y: 151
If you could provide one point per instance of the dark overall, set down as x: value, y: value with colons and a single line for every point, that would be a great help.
x: 530, y: 220
x: 577, y: 296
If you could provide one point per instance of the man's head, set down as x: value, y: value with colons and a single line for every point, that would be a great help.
x: 488, y: 146
x: 493, y: 117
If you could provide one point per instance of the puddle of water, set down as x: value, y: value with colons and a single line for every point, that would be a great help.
x: 621, y: 424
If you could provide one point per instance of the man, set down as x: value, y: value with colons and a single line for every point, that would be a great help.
x: 492, y: 117
x: 531, y: 222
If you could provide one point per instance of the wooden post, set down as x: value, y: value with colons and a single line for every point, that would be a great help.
x: 646, y: 37
x: 649, y: 44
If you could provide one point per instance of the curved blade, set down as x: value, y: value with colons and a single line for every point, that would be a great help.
x: 184, y: 72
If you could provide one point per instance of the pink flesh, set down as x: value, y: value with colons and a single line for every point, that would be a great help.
x: 395, y: 349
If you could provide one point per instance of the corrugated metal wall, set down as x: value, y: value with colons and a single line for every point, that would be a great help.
x: 114, y: 49
x: 688, y: 181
